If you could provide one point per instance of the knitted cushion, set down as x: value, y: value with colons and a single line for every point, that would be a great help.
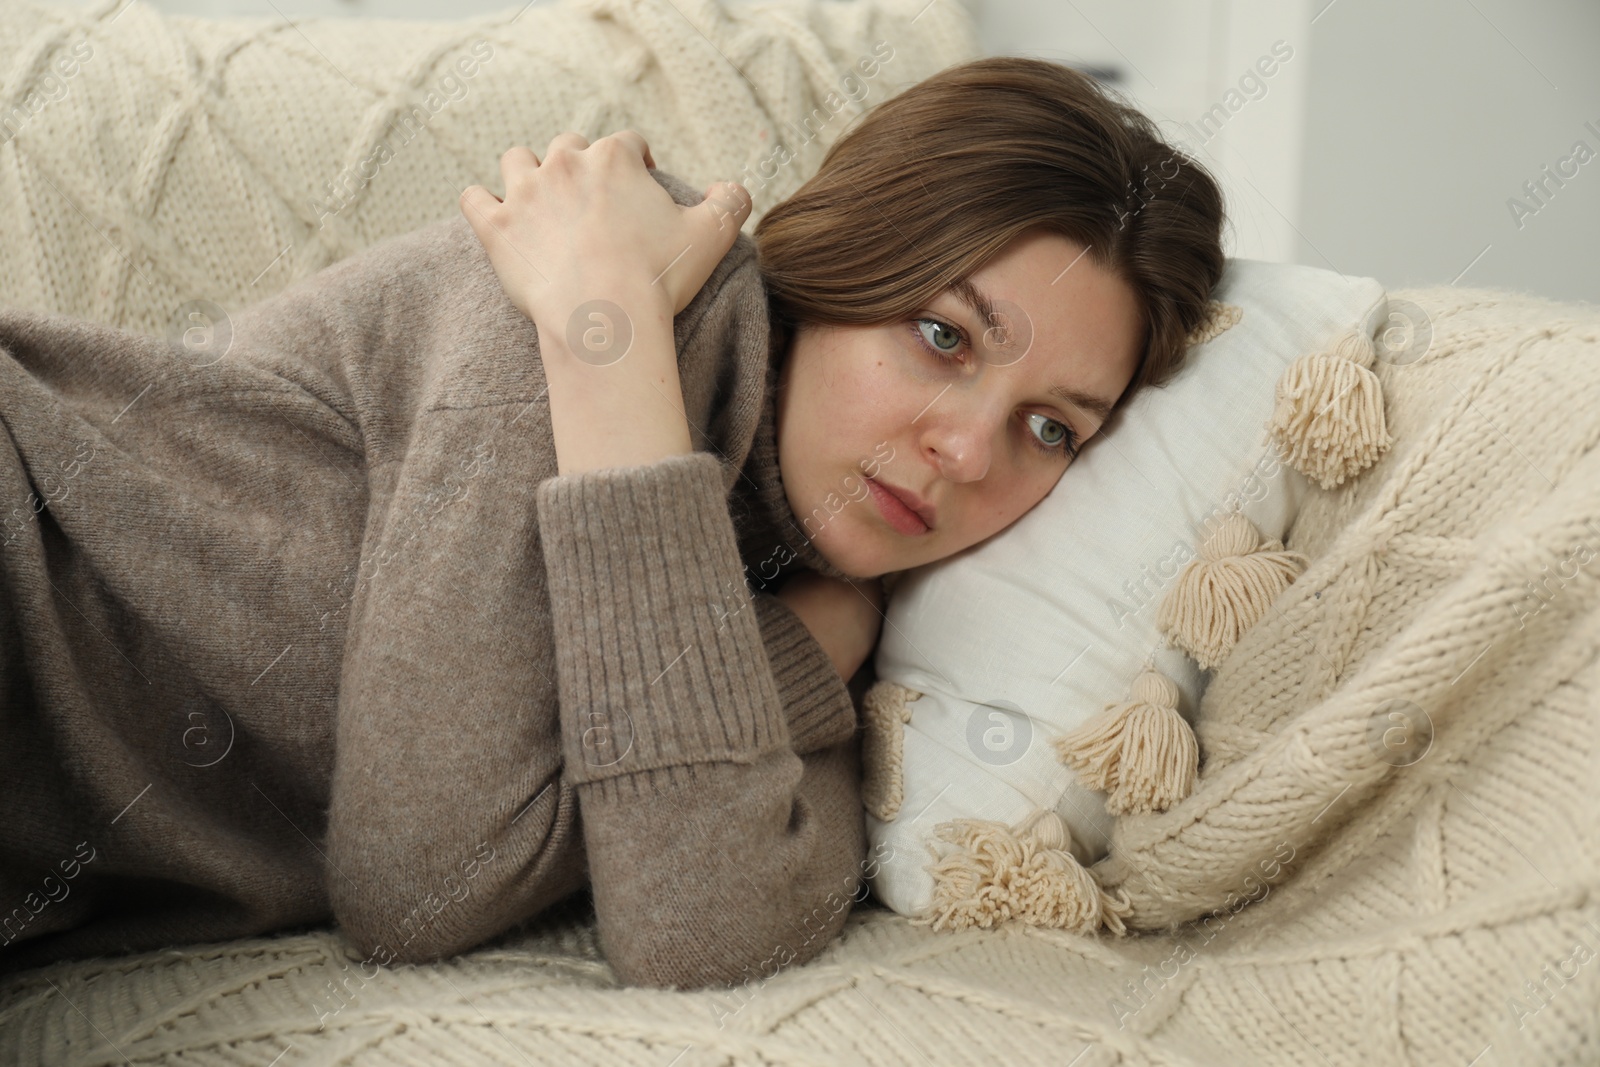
x: 990, y: 657
x: 152, y: 166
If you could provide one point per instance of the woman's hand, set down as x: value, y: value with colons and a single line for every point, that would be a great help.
x: 845, y: 618
x: 597, y: 253
x: 588, y: 222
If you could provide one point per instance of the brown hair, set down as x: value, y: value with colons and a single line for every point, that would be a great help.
x: 961, y: 163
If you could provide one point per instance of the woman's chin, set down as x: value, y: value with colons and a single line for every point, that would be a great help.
x: 842, y: 550
x: 854, y: 554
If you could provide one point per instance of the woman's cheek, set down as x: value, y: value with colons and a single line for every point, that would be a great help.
x: 921, y: 367
x: 908, y: 358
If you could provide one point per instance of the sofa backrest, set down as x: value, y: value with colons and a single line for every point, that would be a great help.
x: 150, y: 162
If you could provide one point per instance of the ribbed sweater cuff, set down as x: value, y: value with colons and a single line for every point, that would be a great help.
x: 817, y: 703
x: 657, y: 663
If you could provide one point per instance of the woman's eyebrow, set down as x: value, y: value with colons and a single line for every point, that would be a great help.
x: 1093, y: 404
x: 968, y: 293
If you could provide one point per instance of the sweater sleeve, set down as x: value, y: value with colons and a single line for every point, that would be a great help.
x: 711, y: 742
x: 505, y: 620
x: 727, y: 834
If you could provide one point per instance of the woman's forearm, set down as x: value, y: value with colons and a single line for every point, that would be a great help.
x: 600, y: 258
x: 618, y: 401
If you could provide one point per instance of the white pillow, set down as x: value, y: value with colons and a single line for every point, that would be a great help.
x: 1033, y: 632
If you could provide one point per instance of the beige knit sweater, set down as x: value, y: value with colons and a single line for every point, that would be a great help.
x: 311, y: 629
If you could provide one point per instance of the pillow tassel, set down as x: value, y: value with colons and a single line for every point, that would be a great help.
x: 884, y: 714
x: 997, y: 873
x: 1141, y: 753
x: 1227, y: 590
x: 1217, y: 319
x: 1328, y: 422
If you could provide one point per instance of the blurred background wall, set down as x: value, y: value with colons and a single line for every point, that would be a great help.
x: 1406, y: 140
x: 1415, y: 141
x: 1427, y: 121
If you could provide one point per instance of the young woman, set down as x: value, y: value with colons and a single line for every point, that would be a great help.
x: 535, y: 549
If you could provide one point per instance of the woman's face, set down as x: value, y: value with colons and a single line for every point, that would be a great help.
x: 952, y: 407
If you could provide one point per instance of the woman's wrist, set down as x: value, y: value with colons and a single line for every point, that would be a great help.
x: 615, y: 396
x: 842, y: 618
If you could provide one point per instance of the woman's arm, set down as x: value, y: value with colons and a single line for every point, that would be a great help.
x: 845, y: 618
x: 600, y: 257
x: 713, y: 752
x: 346, y: 534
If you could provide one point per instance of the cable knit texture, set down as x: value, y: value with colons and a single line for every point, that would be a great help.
x: 149, y: 160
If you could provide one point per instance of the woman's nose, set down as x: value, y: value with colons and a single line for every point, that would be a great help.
x: 961, y: 440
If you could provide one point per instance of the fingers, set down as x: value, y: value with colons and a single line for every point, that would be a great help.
x: 726, y: 207
x: 519, y: 161
x: 634, y: 141
x: 517, y: 157
x: 518, y: 165
x: 476, y: 204
x: 567, y: 141
x: 713, y: 228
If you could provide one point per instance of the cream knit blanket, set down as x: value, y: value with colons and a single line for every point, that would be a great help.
x: 1391, y: 850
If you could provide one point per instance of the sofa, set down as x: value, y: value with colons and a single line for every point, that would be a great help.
x: 156, y: 167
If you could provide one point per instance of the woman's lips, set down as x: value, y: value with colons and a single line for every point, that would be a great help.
x: 896, y: 514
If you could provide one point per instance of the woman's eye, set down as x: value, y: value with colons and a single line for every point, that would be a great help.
x: 935, y: 335
x: 942, y: 334
x: 1060, y: 441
